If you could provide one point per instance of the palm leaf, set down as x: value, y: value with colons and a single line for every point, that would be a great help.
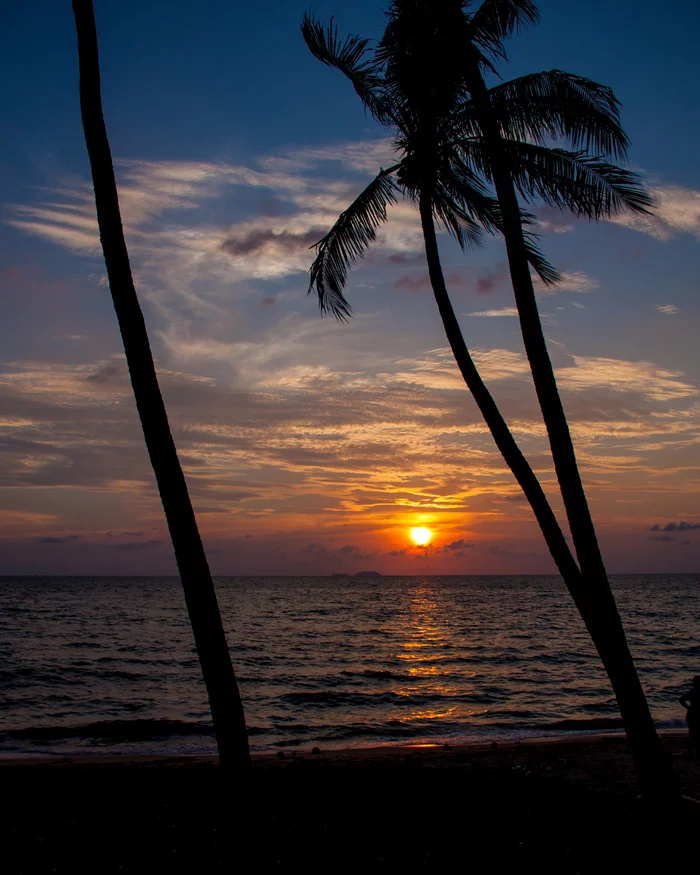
x: 496, y: 20
x: 584, y: 184
x: 576, y: 181
x: 350, y: 57
x: 451, y: 214
x: 347, y: 241
x: 549, y: 275
x: 557, y: 105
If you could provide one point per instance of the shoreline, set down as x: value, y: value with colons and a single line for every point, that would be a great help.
x: 387, y: 753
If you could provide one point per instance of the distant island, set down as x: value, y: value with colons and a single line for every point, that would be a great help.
x: 359, y: 574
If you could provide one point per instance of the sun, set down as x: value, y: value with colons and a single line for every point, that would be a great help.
x: 421, y: 536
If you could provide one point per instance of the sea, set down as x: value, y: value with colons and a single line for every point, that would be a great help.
x: 107, y: 665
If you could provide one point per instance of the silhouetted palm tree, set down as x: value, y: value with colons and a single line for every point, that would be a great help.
x: 210, y: 640
x: 418, y: 83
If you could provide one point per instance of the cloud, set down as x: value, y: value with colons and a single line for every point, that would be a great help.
x: 437, y: 369
x: 65, y: 539
x: 185, y: 259
x: 504, y: 311
x: 675, y: 527
x: 269, y: 240
x: 286, y: 421
x: 676, y: 211
x: 653, y: 382
x: 571, y: 281
x: 461, y: 544
x: 351, y: 551
x: 545, y: 226
x: 132, y: 546
x: 668, y: 309
x: 412, y: 283
x: 347, y: 449
x: 365, y: 156
x: 488, y: 282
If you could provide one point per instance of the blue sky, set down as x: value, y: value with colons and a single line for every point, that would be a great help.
x: 310, y: 446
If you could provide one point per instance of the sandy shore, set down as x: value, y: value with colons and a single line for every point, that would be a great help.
x: 559, y: 805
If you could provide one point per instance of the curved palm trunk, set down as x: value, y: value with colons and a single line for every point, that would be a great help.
x: 505, y: 442
x: 210, y: 640
x: 653, y: 768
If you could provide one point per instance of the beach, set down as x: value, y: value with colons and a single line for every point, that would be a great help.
x: 565, y: 805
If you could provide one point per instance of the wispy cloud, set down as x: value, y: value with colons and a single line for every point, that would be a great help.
x: 676, y: 211
x: 668, y: 309
x: 645, y: 378
x: 571, y: 281
x: 504, y: 311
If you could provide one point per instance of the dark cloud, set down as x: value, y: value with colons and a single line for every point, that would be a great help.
x: 268, y: 301
x: 488, y: 282
x: 66, y: 539
x: 407, y: 258
x: 256, y: 241
x: 664, y: 538
x: 412, y: 282
x: 675, y: 527
x: 131, y: 546
x: 458, y: 545
x: 107, y: 372
x: 314, y: 548
x: 353, y: 552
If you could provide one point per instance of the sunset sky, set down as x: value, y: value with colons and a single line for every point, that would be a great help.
x: 312, y: 446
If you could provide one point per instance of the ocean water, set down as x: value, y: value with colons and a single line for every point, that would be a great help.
x: 107, y: 665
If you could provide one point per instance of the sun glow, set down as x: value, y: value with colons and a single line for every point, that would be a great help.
x: 421, y: 536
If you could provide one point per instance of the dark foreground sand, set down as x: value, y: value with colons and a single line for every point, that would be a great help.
x: 557, y: 806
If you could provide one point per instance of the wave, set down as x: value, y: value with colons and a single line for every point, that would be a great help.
x: 338, y: 699
x: 145, y: 729
x: 584, y: 723
x: 378, y: 674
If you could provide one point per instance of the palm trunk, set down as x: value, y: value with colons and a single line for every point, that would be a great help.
x: 505, y: 442
x: 210, y: 640
x: 653, y: 769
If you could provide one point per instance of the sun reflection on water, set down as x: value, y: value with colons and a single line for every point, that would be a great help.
x: 424, y: 639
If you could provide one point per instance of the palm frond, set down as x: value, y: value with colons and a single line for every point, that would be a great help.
x: 351, y: 57
x: 559, y: 105
x: 583, y: 184
x: 450, y: 213
x: 496, y: 20
x: 469, y: 190
x: 549, y: 275
x: 347, y: 241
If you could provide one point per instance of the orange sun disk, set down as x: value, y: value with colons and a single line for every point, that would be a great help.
x: 421, y: 536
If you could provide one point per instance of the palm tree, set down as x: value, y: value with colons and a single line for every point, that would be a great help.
x: 210, y: 640
x: 416, y: 83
